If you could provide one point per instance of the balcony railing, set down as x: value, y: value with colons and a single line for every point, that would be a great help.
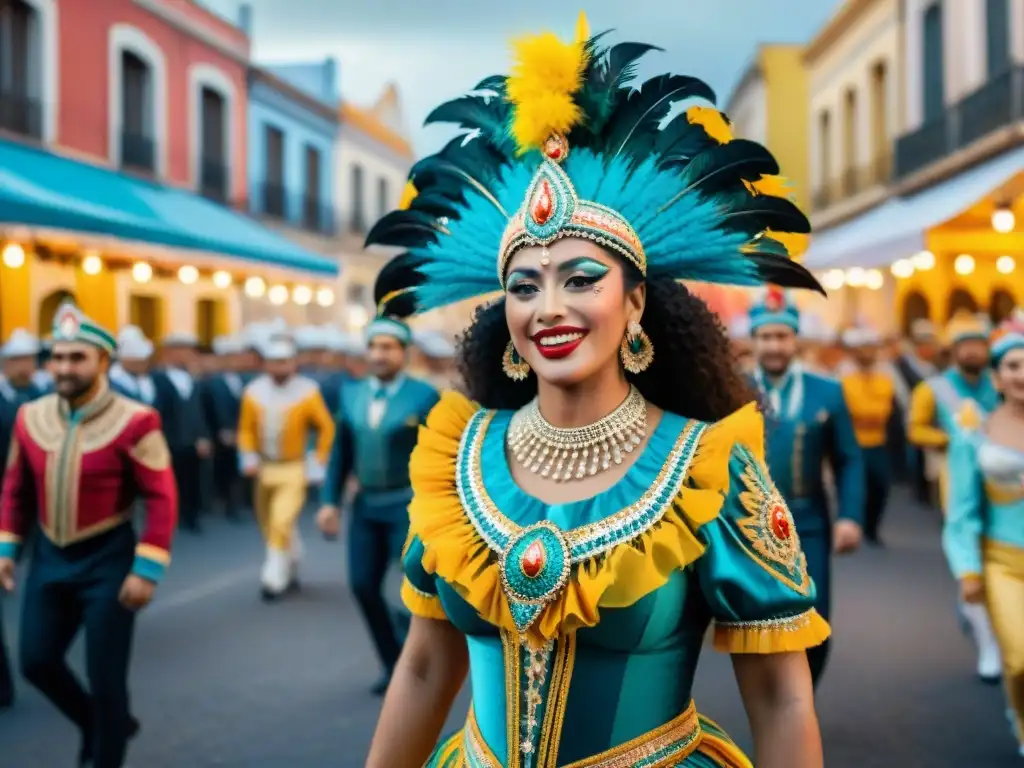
x: 21, y: 114
x: 317, y: 217
x: 852, y: 182
x: 138, y: 152
x: 274, y: 199
x: 997, y: 104
x: 213, y: 179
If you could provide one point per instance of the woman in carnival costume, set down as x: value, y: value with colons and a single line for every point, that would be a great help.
x: 984, y: 530
x: 603, y: 497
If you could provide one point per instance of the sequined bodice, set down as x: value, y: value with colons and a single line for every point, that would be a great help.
x: 1001, y: 464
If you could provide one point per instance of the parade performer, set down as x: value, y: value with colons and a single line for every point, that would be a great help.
x: 576, y: 525
x: 984, y: 532
x: 87, y: 570
x: 962, y: 396
x: 223, y: 391
x: 377, y: 425
x: 870, y: 395
x: 280, y: 411
x: 809, y: 431
x: 17, y: 387
x: 915, y: 364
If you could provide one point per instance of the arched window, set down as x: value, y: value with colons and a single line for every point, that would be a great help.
x: 48, y: 309
x: 1000, y: 305
x: 933, y: 62
x: 961, y: 300
x: 915, y: 307
x: 28, y: 68
x: 997, y: 36
x: 138, y: 101
x: 213, y: 108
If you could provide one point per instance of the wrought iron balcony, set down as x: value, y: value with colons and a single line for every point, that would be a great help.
x: 274, y: 199
x: 21, y: 114
x: 213, y: 179
x: 995, y: 105
x: 138, y: 152
x: 317, y: 217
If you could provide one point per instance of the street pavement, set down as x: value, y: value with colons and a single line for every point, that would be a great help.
x: 221, y: 679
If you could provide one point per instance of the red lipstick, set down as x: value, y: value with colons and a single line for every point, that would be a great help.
x: 556, y: 350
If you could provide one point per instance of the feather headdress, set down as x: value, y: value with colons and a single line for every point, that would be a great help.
x: 565, y: 146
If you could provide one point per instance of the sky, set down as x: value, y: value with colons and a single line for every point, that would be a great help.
x: 435, y: 50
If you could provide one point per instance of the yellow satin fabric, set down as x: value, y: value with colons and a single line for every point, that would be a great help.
x: 280, y: 494
x: 1003, y: 567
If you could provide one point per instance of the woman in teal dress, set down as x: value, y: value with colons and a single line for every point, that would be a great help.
x: 983, y: 534
x: 601, y: 497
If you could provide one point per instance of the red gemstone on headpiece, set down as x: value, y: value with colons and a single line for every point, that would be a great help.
x: 774, y: 299
x: 543, y: 203
x: 533, y: 560
x: 779, y: 521
x: 555, y: 153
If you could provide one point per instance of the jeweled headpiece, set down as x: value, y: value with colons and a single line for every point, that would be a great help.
x: 71, y: 324
x: 774, y: 306
x: 565, y: 147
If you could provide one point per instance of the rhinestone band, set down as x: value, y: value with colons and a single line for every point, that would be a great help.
x: 572, y: 454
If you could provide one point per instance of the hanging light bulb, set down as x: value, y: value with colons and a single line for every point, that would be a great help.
x: 188, y: 274
x: 833, y: 280
x: 855, y: 277
x: 278, y: 294
x: 963, y: 264
x: 14, y: 255
x: 302, y: 295
x: 142, y: 272
x: 1005, y: 265
x: 903, y: 268
x: 92, y: 264
x: 874, y: 279
x: 923, y: 261
x: 221, y: 279
x: 324, y: 297
x: 1003, y: 220
x: 255, y: 287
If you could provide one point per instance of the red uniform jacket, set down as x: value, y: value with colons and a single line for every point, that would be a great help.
x: 81, y: 474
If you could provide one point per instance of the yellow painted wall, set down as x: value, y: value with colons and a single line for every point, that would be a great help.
x: 786, y: 86
x: 15, y: 290
x: 97, y: 297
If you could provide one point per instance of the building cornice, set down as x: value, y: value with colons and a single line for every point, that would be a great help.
x: 182, y: 22
x: 836, y: 27
x: 324, y: 111
x: 753, y: 73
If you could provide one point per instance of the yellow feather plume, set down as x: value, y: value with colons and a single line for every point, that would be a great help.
x: 713, y: 121
x: 408, y: 195
x: 547, y: 73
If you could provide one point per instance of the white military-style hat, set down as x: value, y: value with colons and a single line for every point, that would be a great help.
x: 861, y: 336
x: 135, y: 347
x: 20, y: 344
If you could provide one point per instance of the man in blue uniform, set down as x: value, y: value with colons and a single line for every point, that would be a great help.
x: 223, y: 392
x: 17, y: 386
x: 808, y: 424
x: 129, y: 376
x: 376, y: 429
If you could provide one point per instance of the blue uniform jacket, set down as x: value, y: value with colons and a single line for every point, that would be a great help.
x: 184, y: 421
x: 223, y: 393
x: 377, y: 456
x: 807, y: 424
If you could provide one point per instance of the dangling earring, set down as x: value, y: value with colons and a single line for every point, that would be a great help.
x: 636, y: 349
x: 513, y: 364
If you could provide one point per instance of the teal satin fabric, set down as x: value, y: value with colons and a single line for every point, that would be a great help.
x: 634, y: 671
x: 973, y: 514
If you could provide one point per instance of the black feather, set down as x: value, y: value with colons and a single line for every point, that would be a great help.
x: 752, y: 215
x: 492, y: 84
x: 608, y: 71
x: 636, y: 120
x: 680, y: 141
x: 784, y: 272
x: 487, y: 114
x: 721, y: 167
x: 404, y: 229
x: 393, y: 289
x: 435, y: 203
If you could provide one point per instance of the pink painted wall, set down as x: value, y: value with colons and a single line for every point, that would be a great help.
x: 84, y: 79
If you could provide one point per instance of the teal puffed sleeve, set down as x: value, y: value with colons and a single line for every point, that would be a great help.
x: 961, y: 532
x: 419, y: 591
x: 753, y: 573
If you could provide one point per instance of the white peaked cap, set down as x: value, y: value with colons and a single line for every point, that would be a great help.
x: 130, y: 332
x: 434, y: 345
x: 228, y: 345
x: 739, y: 327
x: 309, y: 337
x: 135, y: 347
x: 278, y: 347
x: 253, y: 334
x: 859, y: 336
x: 335, y: 340
x: 180, y: 339
x: 20, y: 344
x: 923, y: 329
x: 277, y: 325
x: 357, y: 346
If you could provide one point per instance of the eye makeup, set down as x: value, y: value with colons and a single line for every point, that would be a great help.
x: 587, y: 267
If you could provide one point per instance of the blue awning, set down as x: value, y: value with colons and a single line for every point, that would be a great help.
x: 897, y: 229
x: 38, y: 188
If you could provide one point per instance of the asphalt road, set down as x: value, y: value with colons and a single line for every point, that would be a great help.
x: 220, y: 679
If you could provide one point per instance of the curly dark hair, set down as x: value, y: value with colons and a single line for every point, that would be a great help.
x: 693, y: 373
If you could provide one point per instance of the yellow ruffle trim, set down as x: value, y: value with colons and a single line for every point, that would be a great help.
x: 454, y: 551
x: 796, y: 634
x: 420, y: 603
